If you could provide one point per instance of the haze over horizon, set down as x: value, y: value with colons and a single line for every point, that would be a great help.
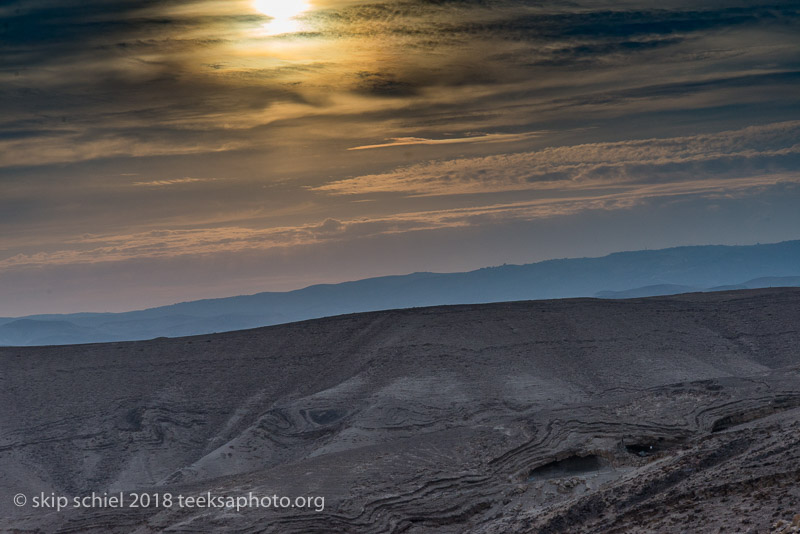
x: 692, y: 257
x: 153, y: 152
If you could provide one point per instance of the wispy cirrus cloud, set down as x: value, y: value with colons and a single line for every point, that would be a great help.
x: 171, y: 181
x: 72, y: 147
x: 480, y: 138
x: 596, y: 165
x: 172, y: 243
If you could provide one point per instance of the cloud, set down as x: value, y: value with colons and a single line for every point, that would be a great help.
x: 46, y: 150
x: 173, y: 181
x: 482, y: 138
x: 595, y: 165
x: 77, y: 76
x: 172, y: 243
x: 162, y: 91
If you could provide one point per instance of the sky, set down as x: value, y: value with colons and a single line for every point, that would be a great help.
x: 153, y: 152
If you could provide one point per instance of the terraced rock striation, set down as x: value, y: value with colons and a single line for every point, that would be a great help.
x: 663, y: 414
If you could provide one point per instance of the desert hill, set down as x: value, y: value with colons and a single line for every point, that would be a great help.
x: 662, y: 414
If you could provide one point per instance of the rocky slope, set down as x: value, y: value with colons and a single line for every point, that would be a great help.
x: 665, y: 414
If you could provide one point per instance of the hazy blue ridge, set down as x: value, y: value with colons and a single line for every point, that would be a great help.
x: 621, y: 275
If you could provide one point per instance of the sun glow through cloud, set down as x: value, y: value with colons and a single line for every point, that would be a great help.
x: 441, y: 135
x: 284, y: 14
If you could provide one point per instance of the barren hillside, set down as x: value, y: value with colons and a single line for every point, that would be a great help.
x: 664, y: 414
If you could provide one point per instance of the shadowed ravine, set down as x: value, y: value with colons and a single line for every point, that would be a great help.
x: 663, y: 414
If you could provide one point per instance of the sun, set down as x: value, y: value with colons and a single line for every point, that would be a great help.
x: 284, y: 14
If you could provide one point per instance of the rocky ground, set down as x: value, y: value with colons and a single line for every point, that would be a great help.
x: 665, y: 414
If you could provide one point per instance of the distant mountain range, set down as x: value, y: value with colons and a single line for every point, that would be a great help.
x: 675, y: 289
x: 620, y: 275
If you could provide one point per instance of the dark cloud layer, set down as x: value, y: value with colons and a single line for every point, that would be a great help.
x: 159, y: 70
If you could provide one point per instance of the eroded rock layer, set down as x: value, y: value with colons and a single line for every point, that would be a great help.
x: 666, y: 414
